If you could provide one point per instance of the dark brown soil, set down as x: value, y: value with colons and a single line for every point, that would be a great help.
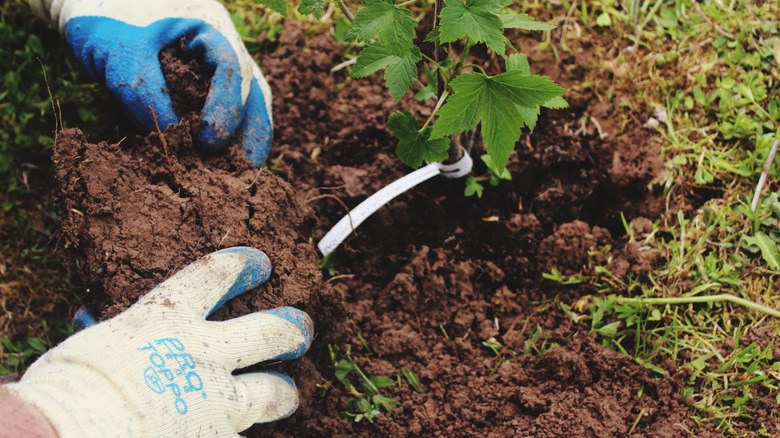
x: 424, y: 282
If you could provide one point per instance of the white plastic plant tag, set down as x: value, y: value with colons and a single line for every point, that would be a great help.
x: 354, y: 218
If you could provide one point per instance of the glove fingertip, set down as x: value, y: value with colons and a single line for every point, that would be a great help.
x: 302, y: 322
x: 82, y: 319
x: 255, y: 270
x: 291, y: 389
x: 256, y: 128
x: 267, y: 395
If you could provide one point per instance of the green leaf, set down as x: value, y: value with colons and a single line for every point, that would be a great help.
x: 279, y: 6
x: 609, y: 330
x: 497, y: 173
x: 413, y: 380
x: 372, y: 59
x: 528, y: 90
x: 381, y: 381
x: 473, y: 187
x: 604, y: 20
x: 400, y: 71
x: 518, y: 62
x: 308, y: 6
x: 493, y: 101
x: 340, y: 29
x: 557, y: 102
x: 430, y: 89
x: 476, y: 20
x: 395, y: 26
x: 529, y: 115
x: 400, y: 74
x: 37, y: 345
x: 433, y: 36
x: 768, y: 249
x: 414, y: 145
x: 343, y: 368
x: 386, y: 402
x: 523, y: 21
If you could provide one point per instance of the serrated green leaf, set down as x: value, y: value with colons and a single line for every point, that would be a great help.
x: 372, y: 59
x: 493, y: 101
x: 499, y: 172
x: 529, y: 115
x: 523, y: 21
x: 308, y: 6
x: 476, y: 20
x: 768, y: 249
x: 430, y: 89
x: 528, y: 90
x: 395, y: 26
x: 279, y: 6
x: 400, y: 71
x: 518, y: 62
x: 414, y: 145
x: 557, y: 102
x: 433, y: 35
x: 473, y: 187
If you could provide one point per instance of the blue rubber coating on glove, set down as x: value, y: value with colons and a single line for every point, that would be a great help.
x: 256, y: 126
x: 257, y: 269
x: 125, y: 58
x: 302, y: 321
x: 82, y: 319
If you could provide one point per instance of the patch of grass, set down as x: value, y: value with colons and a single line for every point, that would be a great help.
x: 368, y: 394
x: 36, y: 297
x: 704, y: 75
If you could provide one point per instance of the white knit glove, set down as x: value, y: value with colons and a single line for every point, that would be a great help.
x: 118, y: 42
x: 159, y: 369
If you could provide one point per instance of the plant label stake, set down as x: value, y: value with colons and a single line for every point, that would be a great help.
x: 354, y: 218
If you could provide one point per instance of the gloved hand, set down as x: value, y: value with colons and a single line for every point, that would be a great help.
x: 118, y: 41
x: 159, y: 369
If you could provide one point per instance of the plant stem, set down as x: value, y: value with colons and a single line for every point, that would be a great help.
x: 462, y: 58
x: 436, y: 109
x: 709, y: 299
x: 440, y: 52
x: 346, y: 11
x: 762, y: 179
x: 477, y: 66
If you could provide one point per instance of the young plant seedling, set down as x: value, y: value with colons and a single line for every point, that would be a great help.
x: 466, y: 96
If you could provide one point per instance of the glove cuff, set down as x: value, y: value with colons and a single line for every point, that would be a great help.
x: 84, y: 405
x: 48, y: 10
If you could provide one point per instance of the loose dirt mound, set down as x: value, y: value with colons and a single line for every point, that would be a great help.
x: 426, y: 281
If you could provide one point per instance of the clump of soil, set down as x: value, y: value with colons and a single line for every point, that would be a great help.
x: 135, y: 211
x: 425, y: 282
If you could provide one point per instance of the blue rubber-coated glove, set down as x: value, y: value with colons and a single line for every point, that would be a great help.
x: 118, y: 42
x: 160, y: 369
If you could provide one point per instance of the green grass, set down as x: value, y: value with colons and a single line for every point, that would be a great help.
x: 367, y: 399
x: 715, y: 80
x: 35, y: 293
